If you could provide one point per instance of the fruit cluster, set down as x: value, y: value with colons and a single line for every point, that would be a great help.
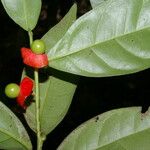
x: 20, y: 92
x: 36, y: 58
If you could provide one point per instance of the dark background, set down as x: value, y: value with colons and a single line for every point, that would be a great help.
x: 93, y: 95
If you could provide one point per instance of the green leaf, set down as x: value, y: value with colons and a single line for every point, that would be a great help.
x: 24, y: 12
x: 112, y: 39
x: 95, y: 3
x: 55, y: 98
x: 122, y: 129
x: 13, y: 135
x: 57, y: 32
x: 56, y: 93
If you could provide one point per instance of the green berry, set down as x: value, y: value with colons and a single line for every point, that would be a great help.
x: 12, y: 90
x: 38, y: 47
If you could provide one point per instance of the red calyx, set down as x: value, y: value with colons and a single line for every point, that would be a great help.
x: 26, y: 87
x: 32, y: 59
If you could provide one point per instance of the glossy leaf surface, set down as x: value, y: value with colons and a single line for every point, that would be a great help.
x: 12, y: 133
x: 122, y: 129
x: 112, y: 39
x: 24, y: 12
x: 57, y: 32
x: 95, y: 3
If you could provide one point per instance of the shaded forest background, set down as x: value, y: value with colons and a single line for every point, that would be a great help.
x: 93, y: 95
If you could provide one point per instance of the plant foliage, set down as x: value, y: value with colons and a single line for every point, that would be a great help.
x: 120, y: 129
x: 24, y: 12
x: 12, y: 133
x: 106, y: 41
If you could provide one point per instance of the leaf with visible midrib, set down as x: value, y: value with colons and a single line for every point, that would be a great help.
x: 55, y: 98
x: 120, y: 129
x: 112, y: 39
x: 24, y: 12
x: 12, y: 133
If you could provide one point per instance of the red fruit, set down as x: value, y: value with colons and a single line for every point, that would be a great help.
x: 26, y: 87
x: 32, y: 59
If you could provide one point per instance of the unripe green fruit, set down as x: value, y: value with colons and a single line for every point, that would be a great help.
x: 38, y: 47
x: 12, y: 90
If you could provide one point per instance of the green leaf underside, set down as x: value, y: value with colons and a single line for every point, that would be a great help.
x: 95, y: 3
x: 12, y: 133
x: 57, y: 32
x: 122, y: 129
x: 55, y: 99
x: 112, y: 39
x: 24, y: 12
x: 56, y: 94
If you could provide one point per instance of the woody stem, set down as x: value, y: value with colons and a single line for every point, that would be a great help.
x: 37, y: 101
x: 39, y: 138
